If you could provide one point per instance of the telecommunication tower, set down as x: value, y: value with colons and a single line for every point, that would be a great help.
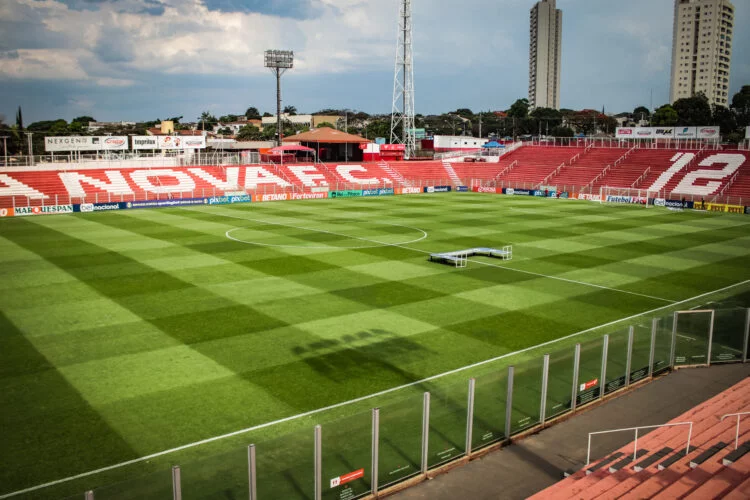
x: 402, y: 112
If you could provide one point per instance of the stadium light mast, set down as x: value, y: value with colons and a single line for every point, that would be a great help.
x: 402, y: 111
x: 279, y: 61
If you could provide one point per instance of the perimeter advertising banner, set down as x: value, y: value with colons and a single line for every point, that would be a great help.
x: 86, y: 143
x: 705, y: 132
x: 46, y: 210
x: 378, y: 192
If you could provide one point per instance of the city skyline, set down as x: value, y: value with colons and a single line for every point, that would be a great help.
x: 142, y: 59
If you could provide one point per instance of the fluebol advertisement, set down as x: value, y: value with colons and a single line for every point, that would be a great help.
x: 46, y: 210
x: 86, y: 143
x: 345, y: 194
x: 378, y: 192
x: 638, y: 200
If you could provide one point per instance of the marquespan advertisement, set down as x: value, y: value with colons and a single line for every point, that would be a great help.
x: 45, y: 210
x: 86, y: 143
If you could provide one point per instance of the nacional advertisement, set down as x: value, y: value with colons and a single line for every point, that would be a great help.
x: 660, y: 202
x: 679, y: 204
x: 86, y: 143
x: 99, y: 207
x: 437, y: 189
x: 46, y: 210
x: 462, y: 189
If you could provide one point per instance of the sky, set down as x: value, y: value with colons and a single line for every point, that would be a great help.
x: 138, y: 60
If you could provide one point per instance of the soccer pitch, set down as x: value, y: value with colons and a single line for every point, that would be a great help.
x: 127, y: 333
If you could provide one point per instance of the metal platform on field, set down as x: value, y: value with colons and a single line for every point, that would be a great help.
x: 459, y: 258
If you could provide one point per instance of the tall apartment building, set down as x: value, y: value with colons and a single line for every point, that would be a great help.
x: 702, y: 49
x: 545, y: 47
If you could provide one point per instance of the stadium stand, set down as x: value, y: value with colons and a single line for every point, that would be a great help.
x: 668, y: 172
x: 711, y: 469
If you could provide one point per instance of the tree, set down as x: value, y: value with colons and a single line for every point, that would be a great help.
x: 693, y: 111
x: 561, y: 131
x: 519, y: 109
x: 249, y: 133
x: 225, y: 131
x: 229, y: 118
x: 741, y: 106
x: 665, y: 115
x: 252, y: 113
x: 325, y: 124
x: 206, y: 119
x: 290, y: 110
x: 175, y: 119
x: 19, y: 119
x: 83, y: 120
x: 724, y: 118
x: 267, y: 114
x: 641, y: 113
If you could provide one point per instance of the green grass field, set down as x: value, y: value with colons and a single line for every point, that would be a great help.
x: 124, y: 334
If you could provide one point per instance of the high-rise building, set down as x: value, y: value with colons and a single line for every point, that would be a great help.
x: 545, y: 47
x: 702, y: 49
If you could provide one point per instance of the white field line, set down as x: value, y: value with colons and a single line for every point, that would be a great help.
x: 352, y: 401
x: 401, y: 245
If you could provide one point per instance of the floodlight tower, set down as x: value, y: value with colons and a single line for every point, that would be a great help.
x: 279, y: 61
x: 402, y: 112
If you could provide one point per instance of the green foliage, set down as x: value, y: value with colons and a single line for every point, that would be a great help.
x: 693, y: 111
x: 665, y: 115
x: 562, y: 132
x: 741, y: 106
x: 641, y: 113
x: 252, y: 113
x: 206, y: 120
x: 249, y: 133
x: 290, y: 110
x: 724, y: 118
x: 267, y: 114
x: 229, y: 118
x: 519, y: 109
x: 19, y: 118
x: 326, y: 125
x: 83, y: 120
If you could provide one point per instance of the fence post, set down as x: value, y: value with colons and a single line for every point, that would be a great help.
x: 603, y: 374
x: 674, y: 340
x: 251, y: 472
x: 176, y: 484
x: 509, y: 403
x: 375, y: 450
x: 576, y: 363
x: 710, y: 337
x: 425, y: 430
x: 470, y: 415
x: 747, y: 335
x: 89, y: 495
x: 545, y: 379
x: 629, y: 361
x: 318, y: 463
x: 652, y: 351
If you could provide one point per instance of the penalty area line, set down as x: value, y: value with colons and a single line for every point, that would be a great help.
x: 356, y: 400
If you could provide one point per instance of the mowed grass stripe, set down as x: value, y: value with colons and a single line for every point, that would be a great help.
x: 352, y: 322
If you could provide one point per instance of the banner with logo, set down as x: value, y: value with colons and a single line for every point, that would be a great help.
x: 437, y: 189
x: 99, y: 207
x: 721, y: 207
x: 145, y: 142
x: 625, y: 132
x: 589, y: 196
x: 6, y: 212
x: 685, y: 132
x: 708, y: 133
x: 179, y: 142
x: 227, y: 200
x: 679, y: 204
x: 345, y: 194
x: 482, y: 189
x: 462, y: 189
x: 660, y: 202
x: 378, y: 192
x: 45, y: 210
x: 290, y: 196
x: 747, y: 210
x: 166, y: 203
x: 86, y: 143
x: 664, y: 133
x: 411, y: 190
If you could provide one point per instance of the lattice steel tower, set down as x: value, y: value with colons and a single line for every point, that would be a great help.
x: 402, y: 114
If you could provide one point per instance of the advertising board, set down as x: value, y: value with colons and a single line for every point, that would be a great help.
x: 145, y: 142
x: 86, y: 143
x: 378, y: 192
x: 345, y: 194
x: 411, y: 190
x: 45, y: 210
x: 437, y: 189
x: 462, y: 189
x: 166, y: 203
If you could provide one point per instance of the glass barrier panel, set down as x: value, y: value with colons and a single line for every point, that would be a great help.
x: 447, y: 423
x: 490, y: 394
x: 400, y: 450
x: 559, y: 382
x: 224, y: 475
x: 617, y: 358
x: 691, y: 342
x: 285, y: 466
x: 156, y: 485
x: 589, y: 371
x: 347, y: 457
x: 527, y: 395
x: 663, y: 343
x: 641, y: 352
x: 729, y: 335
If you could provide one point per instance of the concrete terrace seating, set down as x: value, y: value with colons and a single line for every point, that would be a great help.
x: 536, y: 163
x: 677, y: 475
x: 633, y: 167
x: 589, y: 165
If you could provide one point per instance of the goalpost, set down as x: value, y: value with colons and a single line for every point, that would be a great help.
x: 627, y: 196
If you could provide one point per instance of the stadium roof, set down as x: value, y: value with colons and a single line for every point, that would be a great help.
x: 326, y: 135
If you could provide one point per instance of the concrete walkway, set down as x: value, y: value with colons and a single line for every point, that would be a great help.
x: 530, y: 465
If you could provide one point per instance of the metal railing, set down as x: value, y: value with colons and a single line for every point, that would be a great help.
x: 635, y: 442
x: 737, y: 430
x: 641, y: 177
